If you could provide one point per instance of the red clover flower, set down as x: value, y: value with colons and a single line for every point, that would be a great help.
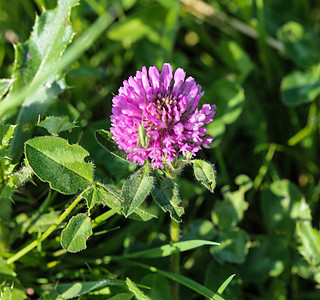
x: 151, y: 119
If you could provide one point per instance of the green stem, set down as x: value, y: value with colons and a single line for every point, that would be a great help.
x: 35, y: 243
x: 175, y: 259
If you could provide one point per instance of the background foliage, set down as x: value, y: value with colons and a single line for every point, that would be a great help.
x: 258, y: 61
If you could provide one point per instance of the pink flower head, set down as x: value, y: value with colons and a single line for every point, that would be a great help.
x: 166, y: 115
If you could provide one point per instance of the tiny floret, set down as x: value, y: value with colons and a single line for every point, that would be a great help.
x: 153, y: 118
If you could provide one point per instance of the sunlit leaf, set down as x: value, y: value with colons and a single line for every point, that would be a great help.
x: 233, y: 246
x: 268, y: 256
x: 310, y: 243
x: 228, y: 212
x: 54, y: 125
x: 138, y: 26
x: 282, y: 206
x: 167, y: 250
x: 55, y: 161
x: 299, y: 88
x: 76, y: 289
x: 302, y: 45
x: 235, y: 58
x: 193, y: 285
x: 224, y: 285
x: 75, y: 235
x: 166, y: 195
x: 13, y: 288
x: 4, y: 86
x: 205, y: 173
x: 51, y: 34
x: 135, y: 290
x: 136, y: 189
x: 104, y: 138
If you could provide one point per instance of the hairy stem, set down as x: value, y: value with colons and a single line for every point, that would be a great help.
x: 175, y: 259
x: 35, y: 243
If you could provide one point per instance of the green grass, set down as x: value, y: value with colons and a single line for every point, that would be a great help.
x: 258, y: 61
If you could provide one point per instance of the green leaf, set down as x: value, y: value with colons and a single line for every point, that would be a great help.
x: 299, y: 88
x: 51, y: 35
x: 191, y: 284
x: 107, y: 195
x: 13, y: 286
x: 136, y: 189
x: 233, y: 248
x: 138, y: 25
x: 43, y: 222
x: 75, y: 235
x: 230, y: 100
x: 137, y: 292
x: 99, y: 193
x: 282, y: 206
x: 217, y: 273
x: 76, y: 289
x: 4, y: 86
x: 229, y: 212
x: 309, y: 246
x: 235, y: 58
x: 62, y: 165
x: 104, y: 138
x: 166, y: 195
x: 54, y: 125
x: 205, y: 173
x: 268, y: 256
x: 159, y: 286
x: 225, y: 284
x: 167, y: 250
x: 200, y: 229
x: 6, y: 133
x: 302, y: 45
x: 140, y: 214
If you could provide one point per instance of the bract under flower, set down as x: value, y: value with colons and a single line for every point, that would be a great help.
x: 149, y: 108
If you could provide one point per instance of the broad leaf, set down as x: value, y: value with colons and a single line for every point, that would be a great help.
x: 299, y: 88
x: 104, y: 138
x: 135, y: 290
x: 62, y: 165
x: 229, y: 212
x: 54, y: 125
x: 282, y: 206
x: 268, y: 256
x: 166, y: 195
x: 51, y: 34
x: 106, y: 195
x: 205, y: 173
x: 138, y: 25
x: 136, y: 189
x: 159, y: 286
x: 12, y: 287
x: 99, y: 193
x: 302, y: 45
x: 200, y: 229
x: 310, y: 243
x: 75, y: 235
x: 233, y: 248
x: 140, y: 214
x: 4, y: 86
x: 235, y: 58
